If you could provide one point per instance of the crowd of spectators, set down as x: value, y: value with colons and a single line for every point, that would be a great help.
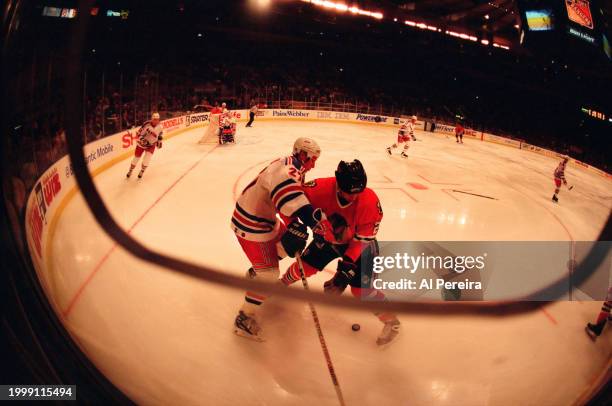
x: 521, y: 103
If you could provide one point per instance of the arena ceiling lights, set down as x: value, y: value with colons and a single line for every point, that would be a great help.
x: 455, y: 34
x: 332, y: 5
x: 341, y: 7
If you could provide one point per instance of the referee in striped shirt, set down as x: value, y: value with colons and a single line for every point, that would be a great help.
x: 252, y: 113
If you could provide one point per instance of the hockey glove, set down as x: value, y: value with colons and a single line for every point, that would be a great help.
x: 346, y: 271
x: 331, y: 288
x: 294, y: 239
x: 323, y: 230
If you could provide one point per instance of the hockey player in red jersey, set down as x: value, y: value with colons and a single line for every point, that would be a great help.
x: 559, y: 178
x: 262, y: 236
x: 149, y: 138
x: 404, y: 135
x: 354, y: 213
x: 459, y: 131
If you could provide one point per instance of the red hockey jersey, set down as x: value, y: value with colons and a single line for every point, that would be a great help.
x: 354, y: 223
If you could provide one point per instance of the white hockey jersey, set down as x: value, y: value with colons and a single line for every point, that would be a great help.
x: 560, y: 171
x: 277, y: 189
x: 148, y: 135
x: 407, y: 128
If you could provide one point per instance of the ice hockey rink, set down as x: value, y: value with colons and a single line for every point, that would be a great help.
x: 166, y: 339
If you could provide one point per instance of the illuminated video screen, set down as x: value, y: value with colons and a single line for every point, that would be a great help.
x: 539, y: 20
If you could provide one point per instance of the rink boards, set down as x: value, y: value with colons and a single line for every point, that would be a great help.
x: 138, y: 323
x: 55, y: 188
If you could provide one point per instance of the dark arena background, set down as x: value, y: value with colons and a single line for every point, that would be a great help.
x: 483, y: 129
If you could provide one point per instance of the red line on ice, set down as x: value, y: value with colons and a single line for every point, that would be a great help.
x: 549, y: 316
x: 437, y: 183
x: 541, y: 203
x: 450, y: 194
x: 98, y: 266
x: 397, y: 188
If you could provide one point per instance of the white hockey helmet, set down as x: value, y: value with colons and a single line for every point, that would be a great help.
x: 308, y: 145
x: 414, y: 117
x: 155, y: 116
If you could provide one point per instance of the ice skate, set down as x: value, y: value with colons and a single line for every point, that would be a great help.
x: 140, y: 173
x: 593, y: 330
x: 246, y: 326
x: 251, y: 274
x: 555, y: 199
x: 389, y: 150
x: 389, y: 332
x: 404, y: 155
x: 129, y: 174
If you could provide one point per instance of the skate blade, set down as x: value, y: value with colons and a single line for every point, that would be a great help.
x: 385, y: 343
x: 382, y: 343
x: 244, y: 334
x: 591, y: 334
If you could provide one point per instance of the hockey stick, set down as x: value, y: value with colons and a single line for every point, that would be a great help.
x: 315, y: 317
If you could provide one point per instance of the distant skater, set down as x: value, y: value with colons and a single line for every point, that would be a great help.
x: 459, y: 131
x: 150, y: 137
x: 560, y: 178
x: 404, y: 135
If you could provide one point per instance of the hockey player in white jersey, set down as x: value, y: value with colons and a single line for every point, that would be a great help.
x: 150, y: 137
x: 404, y: 135
x: 559, y: 176
x: 263, y: 237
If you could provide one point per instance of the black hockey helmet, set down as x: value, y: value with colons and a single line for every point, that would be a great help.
x: 351, y: 177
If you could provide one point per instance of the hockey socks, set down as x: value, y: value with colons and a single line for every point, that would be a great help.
x: 293, y: 273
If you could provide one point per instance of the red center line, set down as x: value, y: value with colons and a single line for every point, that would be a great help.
x: 98, y: 266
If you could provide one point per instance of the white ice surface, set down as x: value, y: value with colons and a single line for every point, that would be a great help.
x: 165, y: 339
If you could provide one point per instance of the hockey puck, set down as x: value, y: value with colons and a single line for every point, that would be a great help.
x: 356, y: 327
